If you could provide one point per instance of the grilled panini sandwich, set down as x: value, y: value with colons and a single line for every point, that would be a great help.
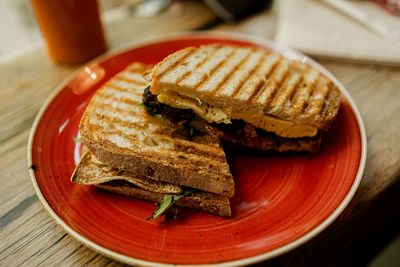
x: 248, y: 95
x: 148, y: 157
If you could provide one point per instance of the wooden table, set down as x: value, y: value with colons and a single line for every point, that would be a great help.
x: 28, y: 236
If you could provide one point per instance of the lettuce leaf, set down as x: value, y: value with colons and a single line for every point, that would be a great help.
x: 168, y: 201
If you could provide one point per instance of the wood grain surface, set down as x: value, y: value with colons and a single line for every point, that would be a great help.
x: 29, y: 237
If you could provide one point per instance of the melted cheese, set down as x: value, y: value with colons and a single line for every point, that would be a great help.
x: 207, y: 112
x: 214, y: 114
x: 281, y: 127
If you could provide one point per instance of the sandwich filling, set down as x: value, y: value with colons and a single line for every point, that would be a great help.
x: 236, y: 131
x: 213, y: 114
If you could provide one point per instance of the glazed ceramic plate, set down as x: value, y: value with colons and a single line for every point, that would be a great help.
x: 281, y: 201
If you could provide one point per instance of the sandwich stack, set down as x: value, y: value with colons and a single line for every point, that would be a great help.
x: 159, y: 138
x: 147, y: 157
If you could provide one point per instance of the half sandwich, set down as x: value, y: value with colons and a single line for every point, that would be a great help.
x: 246, y: 95
x: 148, y: 157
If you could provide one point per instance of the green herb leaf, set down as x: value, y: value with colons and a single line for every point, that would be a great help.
x: 168, y: 201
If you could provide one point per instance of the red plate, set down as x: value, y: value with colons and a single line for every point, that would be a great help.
x: 281, y: 201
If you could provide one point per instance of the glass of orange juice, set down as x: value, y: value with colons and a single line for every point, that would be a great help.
x: 72, y: 29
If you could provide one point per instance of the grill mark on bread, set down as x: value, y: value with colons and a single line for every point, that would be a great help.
x: 132, y: 77
x: 227, y: 68
x: 131, y: 100
x: 324, y: 110
x: 186, y: 53
x: 273, y: 83
x: 332, y: 103
x: 115, y: 137
x: 181, y: 81
x: 111, y: 120
x: 117, y: 132
x: 117, y: 88
x: 183, y: 147
x: 183, y: 68
x: 136, y: 67
x: 290, y: 105
x: 118, y: 103
x: 186, y: 74
x: 278, y: 82
x: 130, y: 90
x: 213, y: 68
x: 317, y: 98
x: 126, y: 85
x: 191, y: 155
x: 233, y: 85
x: 307, y: 101
x: 231, y: 75
x: 126, y: 116
x: 198, y: 64
x: 206, y: 77
x: 282, y: 101
x: 300, y: 100
x: 320, y: 98
x: 131, y: 81
x: 271, y: 68
x: 97, y: 127
x: 250, y: 84
x: 204, y: 150
x: 106, y: 122
x: 199, y: 162
x: 257, y: 90
x: 241, y: 86
x: 134, y: 94
x: 123, y: 112
x: 261, y: 92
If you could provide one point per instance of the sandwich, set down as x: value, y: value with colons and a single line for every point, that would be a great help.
x: 159, y: 138
x: 245, y: 95
x: 147, y: 157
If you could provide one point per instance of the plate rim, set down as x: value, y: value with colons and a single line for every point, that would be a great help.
x: 287, y: 52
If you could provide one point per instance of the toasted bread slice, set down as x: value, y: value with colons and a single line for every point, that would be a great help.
x: 223, y: 82
x: 118, y: 131
x: 91, y: 171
